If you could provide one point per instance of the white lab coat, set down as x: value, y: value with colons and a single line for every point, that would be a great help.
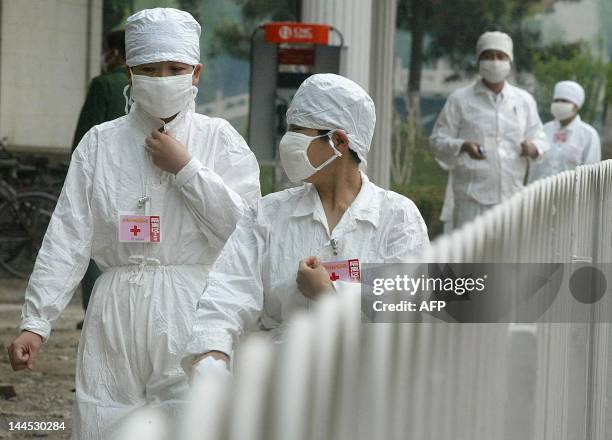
x: 143, y: 304
x: 576, y: 144
x: 254, y: 279
x: 499, y: 124
x: 448, y: 206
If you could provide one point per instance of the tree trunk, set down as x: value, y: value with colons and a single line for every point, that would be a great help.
x: 413, y: 102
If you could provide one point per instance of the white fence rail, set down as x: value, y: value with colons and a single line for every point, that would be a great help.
x: 335, y: 378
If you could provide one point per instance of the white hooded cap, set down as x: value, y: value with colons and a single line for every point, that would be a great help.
x: 326, y: 102
x: 571, y: 91
x: 495, y: 41
x: 162, y: 34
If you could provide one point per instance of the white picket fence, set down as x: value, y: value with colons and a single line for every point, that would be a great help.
x: 335, y: 378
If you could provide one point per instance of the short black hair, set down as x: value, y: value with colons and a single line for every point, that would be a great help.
x: 116, y: 40
x: 355, y: 156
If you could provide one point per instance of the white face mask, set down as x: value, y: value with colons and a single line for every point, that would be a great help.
x: 562, y: 110
x: 494, y: 71
x: 293, y: 150
x: 163, y: 96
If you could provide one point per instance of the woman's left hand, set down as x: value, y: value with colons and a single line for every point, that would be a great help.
x: 312, y: 278
x: 167, y: 153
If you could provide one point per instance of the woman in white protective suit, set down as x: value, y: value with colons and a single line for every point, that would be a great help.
x: 336, y: 216
x: 151, y: 197
x: 573, y: 142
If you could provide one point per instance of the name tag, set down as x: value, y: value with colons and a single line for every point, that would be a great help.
x: 560, y: 137
x: 139, y: 228
x: 345, y: 270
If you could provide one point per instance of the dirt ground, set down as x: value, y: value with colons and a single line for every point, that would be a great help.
x: 47, y: 393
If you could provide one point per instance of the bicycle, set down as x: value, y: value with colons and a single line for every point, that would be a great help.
x: 24, y: 217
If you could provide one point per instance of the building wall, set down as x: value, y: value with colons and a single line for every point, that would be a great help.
x: 569, y: 22
x: 50, y: 49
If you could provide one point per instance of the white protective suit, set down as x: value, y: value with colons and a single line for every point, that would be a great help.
x: 576, y: 144
x: 254, y: 279
x: 448, y: 206
x: 499, y: 124
x: 143, y: 304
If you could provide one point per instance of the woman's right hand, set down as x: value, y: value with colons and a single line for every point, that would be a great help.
x: 24, y: 349
x: 473, y: 150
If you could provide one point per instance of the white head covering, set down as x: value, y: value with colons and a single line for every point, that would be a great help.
x: 162, y: 34
x: 326, y: 101
x: 570, y: 90
x: 495, y: 41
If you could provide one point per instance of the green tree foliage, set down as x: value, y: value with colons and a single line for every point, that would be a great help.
x: 607, y: 110
x: 191, y: 6
x: 234, y: 38
x: 114, y: 12
x: 452, y: 27
x: 575, y: 62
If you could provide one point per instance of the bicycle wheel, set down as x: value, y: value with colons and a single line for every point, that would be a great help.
x: 23, y: 224
x: 12, y: 235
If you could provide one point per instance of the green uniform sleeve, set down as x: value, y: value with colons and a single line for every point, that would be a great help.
x: 93, y: 111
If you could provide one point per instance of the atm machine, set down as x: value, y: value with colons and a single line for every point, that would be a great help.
x: 283, y: 55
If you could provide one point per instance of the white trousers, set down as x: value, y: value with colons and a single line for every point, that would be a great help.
x: 132, y: 343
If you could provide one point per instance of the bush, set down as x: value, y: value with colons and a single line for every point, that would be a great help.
x: 429, y: 199
x: 266, y: 179
x: 426, y: 186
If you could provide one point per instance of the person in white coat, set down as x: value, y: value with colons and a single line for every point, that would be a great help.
x: 337, y: 214
x: 573, y: 142
x: 152, y: 198
x: 448, y: 205
x: 488, y: 133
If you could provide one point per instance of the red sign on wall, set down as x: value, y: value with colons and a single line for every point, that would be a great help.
x: 291, y: 32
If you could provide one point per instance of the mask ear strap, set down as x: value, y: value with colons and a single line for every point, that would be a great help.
x: 194, y: 89
x: 331, y: 143
x: 336, y: 155
x: 127, y: 100
x: 336, y: 151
